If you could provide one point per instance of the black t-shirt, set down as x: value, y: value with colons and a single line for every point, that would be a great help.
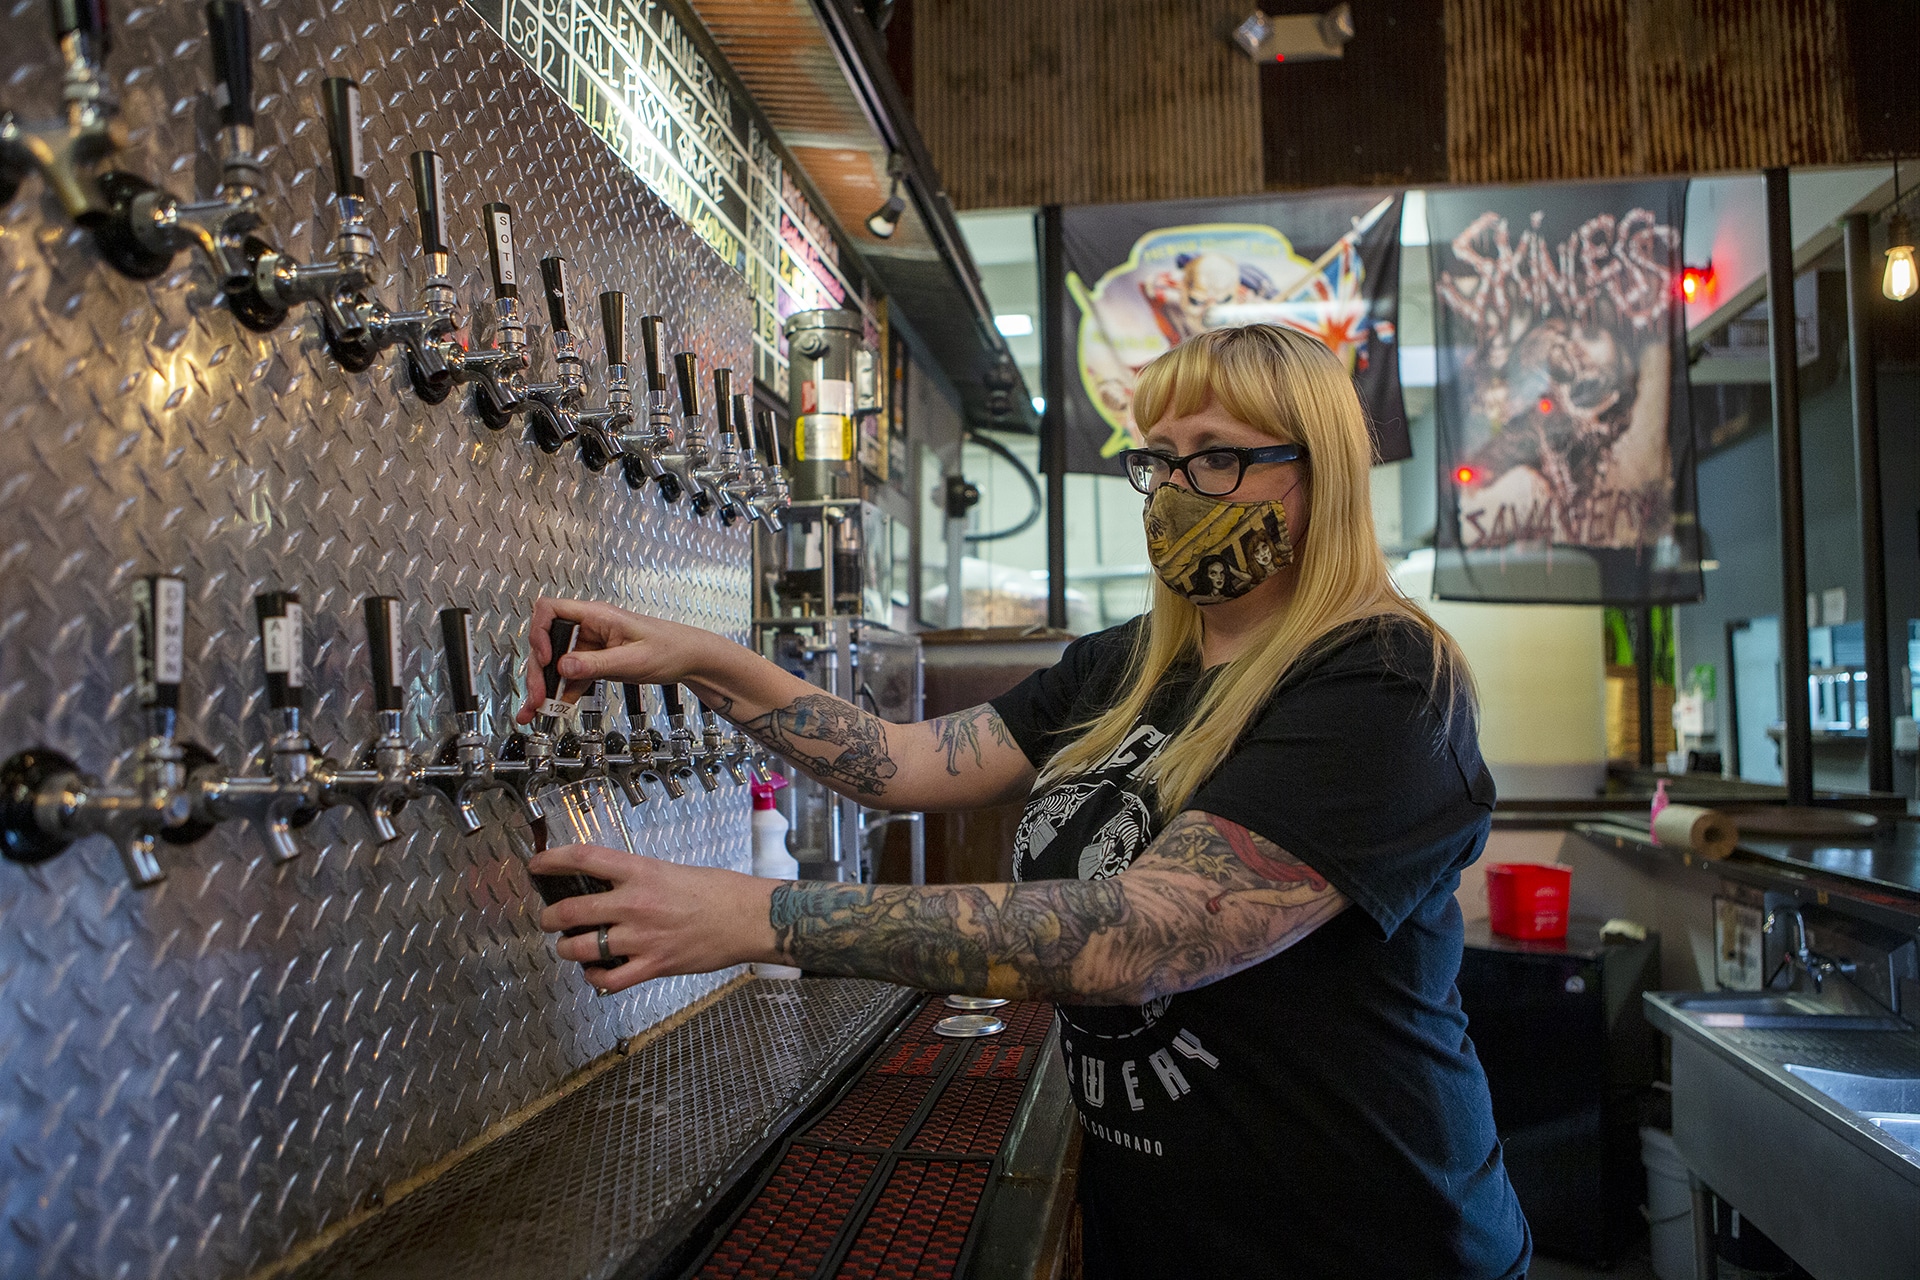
x: 1321, y: 1113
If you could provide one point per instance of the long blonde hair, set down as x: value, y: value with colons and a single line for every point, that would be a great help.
x: 1292, y: 388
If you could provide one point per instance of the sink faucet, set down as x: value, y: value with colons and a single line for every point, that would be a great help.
x: 1799, y: 951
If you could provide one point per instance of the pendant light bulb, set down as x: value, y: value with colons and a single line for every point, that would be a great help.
x: 1900, y: 281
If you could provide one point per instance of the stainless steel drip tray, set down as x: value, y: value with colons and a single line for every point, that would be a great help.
x: 613, y: 1173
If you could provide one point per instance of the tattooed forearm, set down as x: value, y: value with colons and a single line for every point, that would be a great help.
x: 959, y: 735
x: 832, y: 740
x: 1206, y: 899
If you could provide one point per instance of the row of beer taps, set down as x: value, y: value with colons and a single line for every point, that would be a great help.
x: 140, y: 229
x: 177, y: 792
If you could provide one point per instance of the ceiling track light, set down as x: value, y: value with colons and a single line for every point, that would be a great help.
x: 884, y: 221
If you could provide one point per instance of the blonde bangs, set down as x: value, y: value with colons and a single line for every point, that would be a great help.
x: 1289, y: 386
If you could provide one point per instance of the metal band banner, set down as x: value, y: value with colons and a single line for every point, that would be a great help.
x: 1565, y: 446
x: 1145, y: 277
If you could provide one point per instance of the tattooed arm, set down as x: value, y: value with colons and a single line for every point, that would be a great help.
x: 1207, y: 899
x: 961, y: 761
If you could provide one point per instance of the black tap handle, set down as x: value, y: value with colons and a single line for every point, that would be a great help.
x: 85, y: 17
x: 770, y: 437
x: 686, y: 370
x: 159, y: 639
x: 506, y: 276
x: 650, y: 352
x: 722, y: 394
x: 613, y: 325
x: 341, y: 98
x: 561, y: 633
x: 281, y: 648
x: 456, y: 637
x: 553, y: 274
x: 430, y: 196
x: 383, y: 646
x: 670, y: 698
x: 636, y: 704
x: 742, y: 420
x: 231, y: 38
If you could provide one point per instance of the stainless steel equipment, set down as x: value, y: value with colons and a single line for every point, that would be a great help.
x: 203, y: 1075
x: 833, y: 378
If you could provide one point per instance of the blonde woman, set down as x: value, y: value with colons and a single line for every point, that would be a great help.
x: 1235, y: 877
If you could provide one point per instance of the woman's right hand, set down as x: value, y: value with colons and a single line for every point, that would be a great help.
x: 613, y: 644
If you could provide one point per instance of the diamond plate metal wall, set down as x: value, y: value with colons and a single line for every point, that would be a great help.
x: 197, y: 1077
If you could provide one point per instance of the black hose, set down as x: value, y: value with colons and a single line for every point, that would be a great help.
x: 1033, y: 489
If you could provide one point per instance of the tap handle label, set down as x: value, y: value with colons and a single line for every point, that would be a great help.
x: 341, y: 98
x: 769, y: 437
x: 159, y: 639
x: 562, y: 634
x: 383, y: 649
x: 553, y: 274
x: 456, y: 637
x: 84, y: 17
x: 231, y: 39
x: 686, y: 371
x: 281, y: 646
x: 722, y: 395
x: 430, y: 195
x: 636, y: 704
x: 670, y: 698
x: 613, y: 325
x: 499, y: 220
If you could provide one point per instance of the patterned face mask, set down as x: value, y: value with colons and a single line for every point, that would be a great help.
x: 1210, y: 550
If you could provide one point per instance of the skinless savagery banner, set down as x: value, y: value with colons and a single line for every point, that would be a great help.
x: 1565, y: 448
x: 1145, y: 277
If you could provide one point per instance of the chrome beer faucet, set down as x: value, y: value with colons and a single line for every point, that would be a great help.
x: 652, y: 754
x: 551, y: 406
x: 46, y: 802
x: 692, y: 454
x: 628, y: 758
x: 684, y: 758
x: 649, y: 435
x: 498, y: 372
x: 335, y: 285
x: 463, y: 767
x: 582, y: 752
x: 771, y: 493
x: 604, y: 431
x: 714, y: 468
x: 716, y: 750
x: 145, y: 227
x: 526, y: 760
x: 386, y: 774
x: 67, y: 151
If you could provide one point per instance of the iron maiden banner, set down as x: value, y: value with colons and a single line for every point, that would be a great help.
x: 1565, y: 450
x: 1144, y: 277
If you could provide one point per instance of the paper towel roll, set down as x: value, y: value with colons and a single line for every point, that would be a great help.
x: 1707, y: 832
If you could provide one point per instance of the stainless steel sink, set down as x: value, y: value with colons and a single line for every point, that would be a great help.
x: 1890, y: 1103
x: 1783, y: 1011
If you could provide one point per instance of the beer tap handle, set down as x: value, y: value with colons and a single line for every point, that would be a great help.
x: 722, y: 395
x: 613, y: 325
x: 281, y: 647
x: 456, y: 635
x: 553, y: 274
x: 231, y: 39
x: 498, y: 217
x: 636, y: 706
x: 159, y: 653
x: 430, y: 197
x: 341, y: 97
x: 383, y: 647
x: 686, y: 368
x: 561, y: 635
x: 87, y: 18
x: 769, y: 438
x: 650, y: 352
x: 742, y: 421
x: 670, y: 698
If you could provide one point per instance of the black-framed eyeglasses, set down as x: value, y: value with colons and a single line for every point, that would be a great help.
x: 1215, y: 472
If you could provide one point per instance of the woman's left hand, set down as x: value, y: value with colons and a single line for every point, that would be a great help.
x: 665, y: 918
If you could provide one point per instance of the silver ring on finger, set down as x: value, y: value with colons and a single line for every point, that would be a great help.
x: 606, y: 952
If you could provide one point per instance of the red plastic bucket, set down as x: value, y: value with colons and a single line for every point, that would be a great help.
x: 1528, y: 899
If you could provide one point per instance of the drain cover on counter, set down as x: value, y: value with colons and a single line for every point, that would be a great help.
x: 973, y: 1003
x: 964, y: 1026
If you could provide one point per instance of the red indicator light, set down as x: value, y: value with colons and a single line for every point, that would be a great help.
x: 1279, y: 57
x: 1545, y: 405
x: 1697, y: 282
x: 1464, y: 475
